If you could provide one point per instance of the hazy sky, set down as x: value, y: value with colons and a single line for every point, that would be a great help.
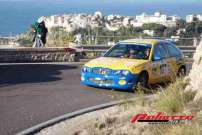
x: 110, y: 2
x: 118, y: 1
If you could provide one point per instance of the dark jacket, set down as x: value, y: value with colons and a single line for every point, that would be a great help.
x: 41, y: 29
x: 44, y: 32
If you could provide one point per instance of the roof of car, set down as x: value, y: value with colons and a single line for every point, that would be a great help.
x: 142, y: 41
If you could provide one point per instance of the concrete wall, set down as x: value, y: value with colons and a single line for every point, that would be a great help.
x: 38, y: 55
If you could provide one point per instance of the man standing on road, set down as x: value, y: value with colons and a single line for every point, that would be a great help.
x: 40, y: 31
x: 44, y: 32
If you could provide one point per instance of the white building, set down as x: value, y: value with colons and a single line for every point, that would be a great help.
x: 126, y: 22
x: 199, y: 17
x: 192, y: 18
x: 135, y: 23
x: 158, y: 18
x: 149, y: 32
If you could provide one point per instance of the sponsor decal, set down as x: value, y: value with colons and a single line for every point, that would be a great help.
x: 154, y: 67
x: 161, y: 118
x: 129, y: 64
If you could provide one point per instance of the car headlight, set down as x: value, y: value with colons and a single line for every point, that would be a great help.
x: 86, y: 69
x: 122, y: 72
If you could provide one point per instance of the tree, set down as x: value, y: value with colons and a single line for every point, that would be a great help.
x: 58, y: 36
x: 26, y: 39
x: 158, y: 28
x: 180, y: 24
x: 190, y: 30
x: 198, y: 27
x: 168, y: 32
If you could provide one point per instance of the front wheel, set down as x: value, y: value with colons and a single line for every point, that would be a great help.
x: 142, y: 81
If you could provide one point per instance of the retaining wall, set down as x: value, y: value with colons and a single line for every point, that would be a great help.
x: 39, y: 55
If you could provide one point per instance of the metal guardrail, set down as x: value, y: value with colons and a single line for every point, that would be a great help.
x: 98, y: 49
x: 98, y: 44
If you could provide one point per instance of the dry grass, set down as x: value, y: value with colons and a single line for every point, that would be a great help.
x: 193, y: 128
x: 173, y: 99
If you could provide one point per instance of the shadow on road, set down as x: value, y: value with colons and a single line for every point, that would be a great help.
x: 31, y: 73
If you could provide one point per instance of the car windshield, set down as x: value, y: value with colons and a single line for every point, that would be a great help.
x: 131, y: 51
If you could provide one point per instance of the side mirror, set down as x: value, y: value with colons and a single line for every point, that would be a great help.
x: 156, y: 58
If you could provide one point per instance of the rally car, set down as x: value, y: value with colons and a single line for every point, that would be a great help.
x: 132, y: 62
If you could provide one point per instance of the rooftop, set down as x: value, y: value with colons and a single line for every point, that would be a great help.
x: 142, y: 41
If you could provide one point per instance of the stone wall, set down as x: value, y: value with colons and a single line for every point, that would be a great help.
x: 39, y: 55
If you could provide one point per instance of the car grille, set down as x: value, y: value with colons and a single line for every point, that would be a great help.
x: 102, y: 71
x: 94, y: 80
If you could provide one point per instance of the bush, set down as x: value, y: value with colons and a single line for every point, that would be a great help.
x: 26, y: 38
x: 173, y: 98
x: 182, y: 129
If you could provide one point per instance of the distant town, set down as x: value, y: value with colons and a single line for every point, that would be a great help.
x: 72, y: 22
x: 97, y: 28
x: 113, y: 22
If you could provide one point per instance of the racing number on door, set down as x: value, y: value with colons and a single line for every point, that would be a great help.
x: 163, y: 69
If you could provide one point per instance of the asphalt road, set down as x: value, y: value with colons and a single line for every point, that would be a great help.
x: 34, y: 93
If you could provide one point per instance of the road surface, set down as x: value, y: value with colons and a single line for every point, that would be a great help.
x: 34, y: 93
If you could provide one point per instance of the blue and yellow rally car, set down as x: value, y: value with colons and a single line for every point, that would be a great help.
x: 132, y: 62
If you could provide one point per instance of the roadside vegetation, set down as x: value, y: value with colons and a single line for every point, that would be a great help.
x: 172, y: 100
x: 26, y: 38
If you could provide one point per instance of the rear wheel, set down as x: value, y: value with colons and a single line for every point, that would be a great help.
x: 181, y: 72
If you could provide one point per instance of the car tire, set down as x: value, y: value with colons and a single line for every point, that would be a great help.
x: 181, y: 72
x: 142, y: 81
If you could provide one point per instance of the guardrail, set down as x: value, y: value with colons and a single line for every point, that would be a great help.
x: 39, y: 55
x: 102, y: 43
x: 61, y: 54
x: 186, y: 45
x: 96, y: 50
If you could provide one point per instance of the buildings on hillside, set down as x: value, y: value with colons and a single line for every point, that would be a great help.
x: 193, y: 17
x: 72, y: 22
x: 158, y: 17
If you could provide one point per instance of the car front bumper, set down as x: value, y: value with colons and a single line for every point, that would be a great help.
x: 109, y: 81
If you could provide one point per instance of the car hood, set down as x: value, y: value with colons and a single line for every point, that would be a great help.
x: 115, y: 63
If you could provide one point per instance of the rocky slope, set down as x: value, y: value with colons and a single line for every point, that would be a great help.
x: 195, y: 75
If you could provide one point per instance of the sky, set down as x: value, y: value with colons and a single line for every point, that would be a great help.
x: 17, y: 15
x: 117, y: 1
x: 107, y: 2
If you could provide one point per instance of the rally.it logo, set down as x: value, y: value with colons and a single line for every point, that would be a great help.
x: 161, y: 118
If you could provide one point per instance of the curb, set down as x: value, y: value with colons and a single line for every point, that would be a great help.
x: 37, y: 128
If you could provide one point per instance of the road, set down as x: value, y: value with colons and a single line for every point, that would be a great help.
x: 34, y: 93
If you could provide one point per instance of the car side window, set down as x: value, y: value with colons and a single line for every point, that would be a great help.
x: 159, y: 52
x: 173, y: 51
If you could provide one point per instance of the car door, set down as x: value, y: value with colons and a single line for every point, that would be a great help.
x: 174, y: 59
x: 159, y: 64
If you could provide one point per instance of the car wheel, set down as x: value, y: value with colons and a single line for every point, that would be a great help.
x: 142, y: 81
x: 181, y: 72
